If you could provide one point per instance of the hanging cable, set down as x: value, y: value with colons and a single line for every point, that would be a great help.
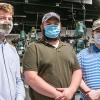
x: 84, y: 11
x: 36, y: 35
x: 37, y: 16
x: 73, y: 13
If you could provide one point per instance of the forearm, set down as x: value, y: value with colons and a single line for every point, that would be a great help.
x: 84, y: 87
x: 42, y: 87
x: 76, y: 80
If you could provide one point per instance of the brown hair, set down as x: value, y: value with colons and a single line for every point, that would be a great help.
x: 7, y: 8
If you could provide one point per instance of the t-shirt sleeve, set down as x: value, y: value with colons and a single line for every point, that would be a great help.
x: 30, y: 58
x: 74, y: 61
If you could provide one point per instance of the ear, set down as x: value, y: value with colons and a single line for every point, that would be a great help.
x: 41, y: 27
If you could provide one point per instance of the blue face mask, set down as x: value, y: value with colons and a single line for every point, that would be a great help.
x: 52, y: 31
x: 97, y: 38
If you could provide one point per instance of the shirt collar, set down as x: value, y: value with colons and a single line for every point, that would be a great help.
x: 47, y: 44
x: 95, y: 48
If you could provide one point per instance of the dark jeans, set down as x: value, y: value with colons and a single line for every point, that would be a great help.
x: 83, y: 96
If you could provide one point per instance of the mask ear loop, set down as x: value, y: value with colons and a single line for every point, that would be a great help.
x: 59, y: 25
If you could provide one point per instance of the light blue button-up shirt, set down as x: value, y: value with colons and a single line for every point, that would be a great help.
x: 11, y: 85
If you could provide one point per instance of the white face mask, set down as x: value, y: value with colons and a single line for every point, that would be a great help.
x: 5, y: 29
x: 97, y: 38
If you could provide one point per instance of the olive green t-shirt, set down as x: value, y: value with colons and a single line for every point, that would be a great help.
x: 54, y: 65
